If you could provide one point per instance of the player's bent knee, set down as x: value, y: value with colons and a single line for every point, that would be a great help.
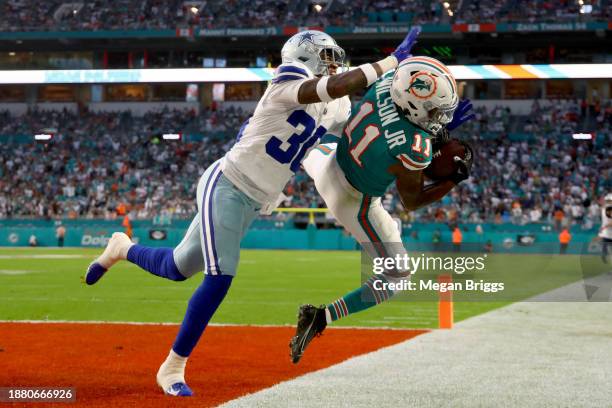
x: 172, y: 270
x: 189, y: 260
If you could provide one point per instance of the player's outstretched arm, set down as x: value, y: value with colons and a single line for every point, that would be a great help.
x: 413, y: 193
x: 327, y: 88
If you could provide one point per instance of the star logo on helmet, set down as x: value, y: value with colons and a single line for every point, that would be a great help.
x: 306, y: 37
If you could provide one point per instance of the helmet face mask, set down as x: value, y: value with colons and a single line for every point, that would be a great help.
x: 315, y: 49
x: 331, y: 57
x: 441, y: 115
x: 426, y: 92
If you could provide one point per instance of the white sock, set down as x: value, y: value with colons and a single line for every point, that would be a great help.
x: 328, y: 317
x: 172, y: 370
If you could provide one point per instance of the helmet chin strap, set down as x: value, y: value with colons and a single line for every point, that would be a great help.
x: 436, y: 131
x: 433, y: 123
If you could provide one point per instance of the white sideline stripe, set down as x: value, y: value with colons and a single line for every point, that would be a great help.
x: 210, y: 324
x: 535, y: 347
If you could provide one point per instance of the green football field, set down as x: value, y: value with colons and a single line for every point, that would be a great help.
x: 45, y: 284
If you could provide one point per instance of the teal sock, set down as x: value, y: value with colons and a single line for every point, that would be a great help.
x: 360, y: 299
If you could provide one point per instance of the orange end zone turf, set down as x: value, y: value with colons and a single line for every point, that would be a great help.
x: 115, y: 364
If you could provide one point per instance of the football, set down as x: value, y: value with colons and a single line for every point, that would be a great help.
x: 443, y: 163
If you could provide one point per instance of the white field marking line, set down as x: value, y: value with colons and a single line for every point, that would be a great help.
x: 284, y: 289
x: 45, y: 256
x: 387, y: 322
x: 407, y: 319
x: 22, y: 285
x: 13, y: 272
x: 316, y: 258
x: 94, y: 300
x: 128, y: 300
x: 210, y: 324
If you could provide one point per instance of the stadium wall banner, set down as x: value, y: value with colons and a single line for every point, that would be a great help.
x: 98, y: 34
x: 239, y: 32
x: 292, y: 238
x: 375, y: 28
x: 387, y: 29
x: 198, y: 75
x: 263, y: 223
x: 542, y: 27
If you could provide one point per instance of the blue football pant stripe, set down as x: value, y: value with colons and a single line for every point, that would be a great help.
x: 214, y: 264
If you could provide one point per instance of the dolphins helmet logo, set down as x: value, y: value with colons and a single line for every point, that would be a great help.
x: 422, y: 85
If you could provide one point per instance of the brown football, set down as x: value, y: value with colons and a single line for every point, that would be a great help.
x: 443, y: 163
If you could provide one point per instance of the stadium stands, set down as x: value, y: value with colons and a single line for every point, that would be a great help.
x: 58, y: 15
x: 527, y: 167
x: 96, y: 162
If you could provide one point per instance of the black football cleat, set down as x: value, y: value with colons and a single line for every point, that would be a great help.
x: 311, y: 323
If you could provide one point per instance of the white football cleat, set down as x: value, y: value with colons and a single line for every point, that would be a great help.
x: 171, y: 376
x: 116, y: 250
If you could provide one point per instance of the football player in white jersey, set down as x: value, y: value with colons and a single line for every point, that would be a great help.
x: 299, y: 106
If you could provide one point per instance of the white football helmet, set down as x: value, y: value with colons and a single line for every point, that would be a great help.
x: 426, y: 91
x: 315, y: 49
x: 608, y: 198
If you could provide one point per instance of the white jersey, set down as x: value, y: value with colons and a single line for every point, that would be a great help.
x: 606, y: 219
x: 273, y: 142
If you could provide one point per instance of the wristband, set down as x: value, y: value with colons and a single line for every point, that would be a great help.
x: 369, y: 72
x: 388, y: 63
x: 322, y: 90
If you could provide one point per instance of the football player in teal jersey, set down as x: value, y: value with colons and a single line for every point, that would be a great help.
x: 389, y: 137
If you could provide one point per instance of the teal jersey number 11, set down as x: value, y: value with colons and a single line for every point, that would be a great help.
x: 378, y: 136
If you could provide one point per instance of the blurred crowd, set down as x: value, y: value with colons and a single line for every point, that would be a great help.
x: 103, y: 165
x: 53, y: 15
x: 532, y: 11
x: 538, y: 174
x: 107, y: 165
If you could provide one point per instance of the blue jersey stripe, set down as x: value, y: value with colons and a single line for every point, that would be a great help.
x: 242, y: 128
x: 285, y: 78
x: 292, y: 69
